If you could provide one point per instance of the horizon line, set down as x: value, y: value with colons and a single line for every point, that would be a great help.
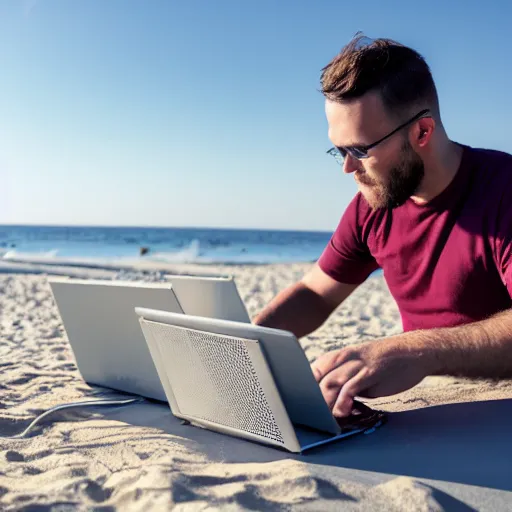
x: 109, y: 226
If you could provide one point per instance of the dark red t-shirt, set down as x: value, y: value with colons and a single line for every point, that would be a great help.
x: 447, y: 262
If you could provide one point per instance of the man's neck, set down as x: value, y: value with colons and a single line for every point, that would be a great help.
x: 440, y: 169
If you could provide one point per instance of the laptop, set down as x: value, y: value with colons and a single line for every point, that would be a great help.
x: 211, y: 297
x: 244, y: 380
x: 104, y: 332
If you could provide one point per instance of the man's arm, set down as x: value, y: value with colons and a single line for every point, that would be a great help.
x: 385, y: 367
x: 305, y: 306
x: 479, y: 350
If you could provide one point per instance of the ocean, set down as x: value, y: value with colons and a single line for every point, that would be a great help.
x: 174, y: 245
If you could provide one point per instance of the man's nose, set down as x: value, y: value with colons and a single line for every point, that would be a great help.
x: 350, y: 164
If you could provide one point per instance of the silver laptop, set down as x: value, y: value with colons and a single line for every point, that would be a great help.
x: 104, y: 332
x: 243, y: 380
x: 211, y: 297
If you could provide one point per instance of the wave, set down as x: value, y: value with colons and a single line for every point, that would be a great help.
x: 190, y: 254
x: 51, y: 258
x: 13, y: 254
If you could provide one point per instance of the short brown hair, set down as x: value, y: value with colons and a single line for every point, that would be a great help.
x: 399, y: 73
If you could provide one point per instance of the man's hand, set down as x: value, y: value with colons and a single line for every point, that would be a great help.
x: 380, y: 368
x: 391, y: 365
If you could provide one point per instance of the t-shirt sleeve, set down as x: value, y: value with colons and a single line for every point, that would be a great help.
x: 503, y: 242
x: 346, y: 258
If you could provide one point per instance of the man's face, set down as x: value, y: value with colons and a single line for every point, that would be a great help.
x: 393, y: 171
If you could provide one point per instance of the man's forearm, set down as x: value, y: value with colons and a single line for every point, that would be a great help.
x: 479, y: 349
x: 297, y: 309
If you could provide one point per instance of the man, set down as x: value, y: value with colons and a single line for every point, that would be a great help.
x: 435, y: 215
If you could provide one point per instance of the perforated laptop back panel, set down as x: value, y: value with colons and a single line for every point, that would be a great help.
x: 219, y: 379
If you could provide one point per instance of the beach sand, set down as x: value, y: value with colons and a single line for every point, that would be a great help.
x: 446, y: 446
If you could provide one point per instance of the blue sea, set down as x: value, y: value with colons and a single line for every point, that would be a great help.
x: 174, y: 245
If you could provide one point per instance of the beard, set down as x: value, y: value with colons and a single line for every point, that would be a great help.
x: 403, y: 181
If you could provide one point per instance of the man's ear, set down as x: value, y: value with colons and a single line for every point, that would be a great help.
x: 423, y: 131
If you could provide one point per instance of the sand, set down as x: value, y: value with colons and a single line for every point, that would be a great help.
x: 446, y: 446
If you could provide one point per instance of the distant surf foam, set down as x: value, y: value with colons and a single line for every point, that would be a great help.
x: 190, y: 254
x: 13, y: 254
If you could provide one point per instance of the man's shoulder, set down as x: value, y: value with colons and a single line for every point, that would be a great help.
x: 492, y: 175
x: 490, y: 153
x: 491, y: 163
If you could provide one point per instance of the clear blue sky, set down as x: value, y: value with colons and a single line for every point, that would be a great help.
x: 207, y: 113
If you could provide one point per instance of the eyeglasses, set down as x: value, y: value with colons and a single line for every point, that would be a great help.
x: 360, y: 152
